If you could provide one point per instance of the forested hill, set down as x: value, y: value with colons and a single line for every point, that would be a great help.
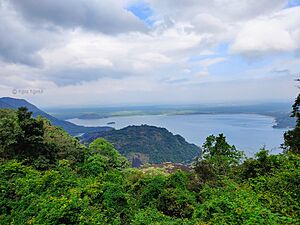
x: 49, y: 177
x: 73, y: 129
x: 148, y: 144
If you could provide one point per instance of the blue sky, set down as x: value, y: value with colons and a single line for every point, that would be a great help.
x: 293, y: 3
x: 139, y: 52
x: 143, y: 11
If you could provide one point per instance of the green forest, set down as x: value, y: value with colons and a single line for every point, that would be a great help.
x: 151, y: 144
x: 49, y: 177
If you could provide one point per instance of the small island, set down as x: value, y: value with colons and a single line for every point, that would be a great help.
x: 111, y: 123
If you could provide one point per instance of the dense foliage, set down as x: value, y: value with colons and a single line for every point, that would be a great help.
x: 73, y: 129
x: 292, y: 137
x: 75, y: 184
x: 35, y: 141
x: 149, y: 144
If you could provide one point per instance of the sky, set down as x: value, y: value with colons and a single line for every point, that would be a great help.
x: 146, y: 52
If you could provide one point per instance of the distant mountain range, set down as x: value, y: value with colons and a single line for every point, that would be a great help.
x: 71, y: 128
x: 148, y: 144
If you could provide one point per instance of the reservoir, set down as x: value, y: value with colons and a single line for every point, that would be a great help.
x: 248, y: 132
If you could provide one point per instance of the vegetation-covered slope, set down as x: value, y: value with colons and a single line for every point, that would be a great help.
x: 41, y: 184
x: 35, y: 141
x: 13, y: 103
x: 142, y: 144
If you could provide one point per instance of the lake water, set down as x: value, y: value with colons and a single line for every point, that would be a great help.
x: 248, y: 132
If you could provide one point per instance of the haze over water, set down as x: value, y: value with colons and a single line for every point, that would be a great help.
x: 248, y: 132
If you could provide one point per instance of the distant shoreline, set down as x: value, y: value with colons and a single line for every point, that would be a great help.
x: 280, y: 112
x: 278, y: 122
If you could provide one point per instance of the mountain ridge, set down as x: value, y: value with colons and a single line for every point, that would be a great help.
x: 73, y: 129
x: 148, y: 144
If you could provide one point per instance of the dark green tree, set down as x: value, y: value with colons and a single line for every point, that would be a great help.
x: 217, y: 158
x: 20, y: 135
x: 10, y: 132
x: 263, y: 164
x: 176, y: 203
x: 108, y: 153
x: 215, y: 146
x: 34, y: 141
x: 31, y: 140
x: 292, y: 137
x: 31, y: 146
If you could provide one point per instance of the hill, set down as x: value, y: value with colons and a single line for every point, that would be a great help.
x: 148, y: 144
x: 49, y: 177
x: 73, y: 129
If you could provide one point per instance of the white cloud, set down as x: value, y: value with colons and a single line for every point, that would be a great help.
x: 279, y: 32
x: 103, y: 16
x: 217, y: 20
x: 211, y: 61
x: 16, y: 45
x: 229, y: 10
x: 98, y: 49
x: 132, y: 54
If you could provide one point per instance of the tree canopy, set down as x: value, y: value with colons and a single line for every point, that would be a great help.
x: 292, y: 137
x: 76, y: 184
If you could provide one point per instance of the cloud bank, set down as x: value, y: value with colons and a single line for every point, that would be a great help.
x: 192, y: 51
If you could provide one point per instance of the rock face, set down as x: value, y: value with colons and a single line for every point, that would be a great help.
x: 137, y: 159
x: 148, y: 144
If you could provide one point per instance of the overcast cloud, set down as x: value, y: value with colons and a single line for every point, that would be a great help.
x: 192, y: 51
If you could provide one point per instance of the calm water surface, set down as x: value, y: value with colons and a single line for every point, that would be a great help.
x: 248, y: 132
